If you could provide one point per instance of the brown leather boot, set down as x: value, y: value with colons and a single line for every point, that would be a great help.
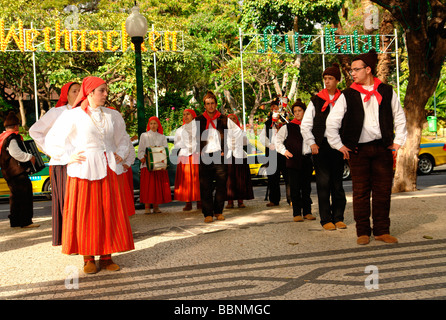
x: 90, y: 265
x: 106, y: 262
x: 188, y: 206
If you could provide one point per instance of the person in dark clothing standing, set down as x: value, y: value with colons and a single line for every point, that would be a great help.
x: 298, y: 162
x: 366, y: 124
x: 276, y: 161
x: 213, y: 135
x: 328, y: 162
x: 13, y: 166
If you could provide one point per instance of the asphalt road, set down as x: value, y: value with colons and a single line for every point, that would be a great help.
x: 42, y: 206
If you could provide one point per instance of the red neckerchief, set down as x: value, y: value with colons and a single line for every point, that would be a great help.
x: 323, y: 94
x: 209, y: 120
x: 368, y: 94
x: 296, y: 121
x: 5, y: 135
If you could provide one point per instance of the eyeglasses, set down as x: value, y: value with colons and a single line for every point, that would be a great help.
x: 356, y: 70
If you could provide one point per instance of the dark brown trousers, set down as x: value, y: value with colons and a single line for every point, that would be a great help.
x: 372, y: 176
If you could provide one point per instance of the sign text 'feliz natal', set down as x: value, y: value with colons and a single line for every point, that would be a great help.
x: 305, y: 44
x: 17, y: 38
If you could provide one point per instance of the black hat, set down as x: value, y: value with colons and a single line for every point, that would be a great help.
x: 370, y: 59
x: 333, y: 71
x: 11, y: 120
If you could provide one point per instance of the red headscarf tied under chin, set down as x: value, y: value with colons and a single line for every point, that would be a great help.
x: 192, y: 112
x: 63, y: 99
x: 160, y: 127
x: 88, y: 85
x: 237, y: 121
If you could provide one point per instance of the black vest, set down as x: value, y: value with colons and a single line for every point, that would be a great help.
x: 293, y: 143
x: 354, y: 117
x: 319, y: 119
x: 222, y: 125
x: 10, y: 167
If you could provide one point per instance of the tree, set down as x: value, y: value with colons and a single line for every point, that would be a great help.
x: 425, y: 33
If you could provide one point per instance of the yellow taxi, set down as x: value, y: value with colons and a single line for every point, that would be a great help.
x: 432, y: 154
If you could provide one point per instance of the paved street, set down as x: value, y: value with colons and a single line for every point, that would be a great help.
x: 257, y: 253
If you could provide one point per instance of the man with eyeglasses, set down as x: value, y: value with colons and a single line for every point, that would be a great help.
x: 366, y: 125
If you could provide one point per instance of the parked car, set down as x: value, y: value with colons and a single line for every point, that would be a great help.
x: 40, y: 181
x: 431, y: 155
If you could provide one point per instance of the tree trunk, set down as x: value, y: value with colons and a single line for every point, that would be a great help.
x: 385, y: 59
x: 420, y: 88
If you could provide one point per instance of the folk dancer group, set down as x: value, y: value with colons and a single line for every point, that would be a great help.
x: 91, y: 154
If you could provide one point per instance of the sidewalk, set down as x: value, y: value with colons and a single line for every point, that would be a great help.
x: 256, y: 253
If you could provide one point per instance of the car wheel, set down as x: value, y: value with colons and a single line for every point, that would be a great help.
x: 47, y: 188
x: 346, y: 175
x: 425, y: 164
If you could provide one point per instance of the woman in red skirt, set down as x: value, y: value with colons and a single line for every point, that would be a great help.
x: 154, y: 183
x: 96, y: 217
x: 187, y: 179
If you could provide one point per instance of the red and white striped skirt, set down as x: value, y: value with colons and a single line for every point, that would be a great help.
x: 96, y: 217
x: 187, y: 180
x: 154, y: 187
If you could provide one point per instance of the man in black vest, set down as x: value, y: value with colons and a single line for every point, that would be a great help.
x: 328, y: 162
x: 214, y: 132
x: 289, y: 142
x: 13, y: 167
x: 365, y: 126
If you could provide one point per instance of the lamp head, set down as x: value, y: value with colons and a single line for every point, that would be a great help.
x: 136, y: 24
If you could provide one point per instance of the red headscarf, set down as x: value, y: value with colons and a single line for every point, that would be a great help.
x: 237, y: 121
x: 192, y: 112
x: 160, y: 127
x: 88, y: 85
x: 63, y: 99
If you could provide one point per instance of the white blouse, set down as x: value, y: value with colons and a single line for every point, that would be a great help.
x: 150, y: 139
x: 98, y: 136
x: 39, y: 130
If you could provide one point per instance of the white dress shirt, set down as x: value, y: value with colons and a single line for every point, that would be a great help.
x: 306, y: 126
x: 39, y: 130
x: 371, y: 129
x: 234, y: 136
x: 99, y: 140
x: 281, y: 136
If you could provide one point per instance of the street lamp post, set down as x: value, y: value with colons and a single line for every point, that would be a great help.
x: 136, y: 27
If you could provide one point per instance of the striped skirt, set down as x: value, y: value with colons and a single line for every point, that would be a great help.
x: 96, y: 217
x: 126, y: 179
x: 187, y: 180
x: 154, y: 187
x: 58, y: 176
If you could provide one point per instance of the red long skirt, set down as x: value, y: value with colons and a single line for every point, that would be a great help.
x: 96, y: 217
x: 127, y: 180
x: 154, y: 187
x: 187, y: 180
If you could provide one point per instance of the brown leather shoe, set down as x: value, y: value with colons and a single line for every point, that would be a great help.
x: 108, y: 264
x: 270, y: 204
x: 340, y: 225
x: 219, y: 216
x: 229, y: 206
x: 363, y: 240
x: 329, y: 226
x: 387, y: 238
x: 298, y: 219
x: 208, y: 219
x: 309, y: 217
x: 188, y: 206
x: 90, y: 265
